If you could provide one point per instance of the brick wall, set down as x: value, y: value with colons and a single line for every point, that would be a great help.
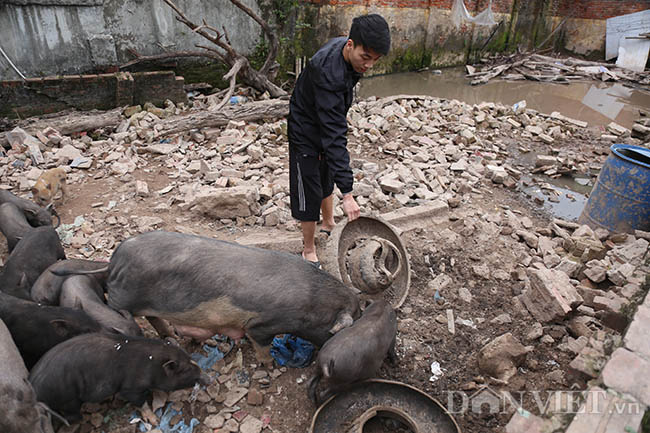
x: 155, y: 87
x: 37, y: 96
x: 601, y: 9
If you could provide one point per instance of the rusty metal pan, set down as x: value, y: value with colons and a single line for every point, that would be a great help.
x: 353, y: 245
x: 348, y: 412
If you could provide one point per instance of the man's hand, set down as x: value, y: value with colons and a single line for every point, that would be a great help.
x: 350, y: 207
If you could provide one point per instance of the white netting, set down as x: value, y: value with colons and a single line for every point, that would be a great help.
x: 460, y: 15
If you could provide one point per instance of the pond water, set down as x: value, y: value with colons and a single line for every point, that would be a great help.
x: 596, y: 103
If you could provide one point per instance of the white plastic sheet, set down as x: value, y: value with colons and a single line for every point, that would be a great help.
x: 460, y: 15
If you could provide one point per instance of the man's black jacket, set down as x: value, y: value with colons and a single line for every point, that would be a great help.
x: 319, y: 104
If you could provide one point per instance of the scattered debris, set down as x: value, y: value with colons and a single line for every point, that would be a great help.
x: 537, y: 67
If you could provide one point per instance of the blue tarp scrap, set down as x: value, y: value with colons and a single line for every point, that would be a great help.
x: 213, y: 353
x: 165, y: 418
x: 292, y: 351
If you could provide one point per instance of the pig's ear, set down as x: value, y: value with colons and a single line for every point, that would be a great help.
x: 343, y: 321
x: 328, y: 369
x: 23, y: 280
x: 60, y: 327
x: 125, y: 314
x: 170, y: 367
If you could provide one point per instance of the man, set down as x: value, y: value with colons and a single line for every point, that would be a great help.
x: 317, y: 126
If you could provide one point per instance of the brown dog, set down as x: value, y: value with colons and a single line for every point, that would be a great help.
x: 48, y: 186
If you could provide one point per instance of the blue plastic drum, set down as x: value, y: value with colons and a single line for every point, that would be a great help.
x: 620, y: 200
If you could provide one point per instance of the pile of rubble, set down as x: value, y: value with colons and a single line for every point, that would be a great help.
x: 578, y: 285
x: 536, y: 67
x: 433, y: 149
x: 585, y: 287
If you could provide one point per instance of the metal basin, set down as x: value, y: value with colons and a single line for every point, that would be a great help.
x: 368, y: 255
x: 350, y: 411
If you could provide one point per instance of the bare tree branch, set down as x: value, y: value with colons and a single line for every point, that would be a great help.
x: 139, y: 58
x: 212, y: 50
x: 199, y: 29
x: 273, y: 40
x: 238, y: 64
x: 232, y: 76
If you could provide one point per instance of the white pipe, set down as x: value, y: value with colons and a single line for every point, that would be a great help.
x: 12, y: 64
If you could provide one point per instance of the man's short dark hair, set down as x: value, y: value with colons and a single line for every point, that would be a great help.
x: 372, y: 32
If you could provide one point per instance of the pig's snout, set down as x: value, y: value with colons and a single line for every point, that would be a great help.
x: 205, y: 379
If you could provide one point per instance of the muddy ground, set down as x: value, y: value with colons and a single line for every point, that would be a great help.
x: 463, y: 243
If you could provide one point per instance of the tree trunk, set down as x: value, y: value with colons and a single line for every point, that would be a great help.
x: 69, y: 123
x: 253, y: 111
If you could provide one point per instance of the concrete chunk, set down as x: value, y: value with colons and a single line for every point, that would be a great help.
x: 501, y: 357
x: 617, y: 129
x: 408, y: 218
x: 390, y: 184
x: 239, y: 201
x: 551, y: 296
x: 627, y: 372
x: 544, y: 160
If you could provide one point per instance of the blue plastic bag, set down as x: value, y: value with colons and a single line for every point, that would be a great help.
x: 292, y: 351
x: 213, y: 353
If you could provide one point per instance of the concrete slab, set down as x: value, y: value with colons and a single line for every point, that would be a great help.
x: 404, y: 220
x: 636, y: 339
x: 273, y: 240
x: 627, y: 372
x: 605, y: 412
x: 410, y: 218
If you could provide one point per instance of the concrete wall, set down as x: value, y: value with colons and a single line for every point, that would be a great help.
x: 48, y: 37
x: 422, y: 32
x: 425, y: 26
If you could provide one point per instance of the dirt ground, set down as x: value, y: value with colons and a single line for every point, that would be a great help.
x: 461, y: 243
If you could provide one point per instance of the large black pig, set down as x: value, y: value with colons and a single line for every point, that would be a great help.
x: 84, y: 292
x: 93, y: 367
x: 37, y: 250
x: 355, y: 353
x: 19, y: 410
x: 205, y: 286
x: 13, y: 224
x: 47, y: 288
x: 36, y: 215
x: 37, y: 328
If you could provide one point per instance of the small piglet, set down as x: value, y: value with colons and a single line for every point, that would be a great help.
x: 37, y: 328
x: 355, y: 353
x: 47, y: 288
x: 93, y: 367
x: 19, y: 410
x: 83, y: 292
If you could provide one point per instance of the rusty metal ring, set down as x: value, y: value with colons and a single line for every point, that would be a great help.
x: 349, y: 411
x: 393, y: 285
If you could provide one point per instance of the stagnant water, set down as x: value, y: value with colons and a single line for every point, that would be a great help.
x: 596, y: 103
